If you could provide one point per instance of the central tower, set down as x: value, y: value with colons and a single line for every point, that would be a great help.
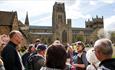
x: 60, y: 28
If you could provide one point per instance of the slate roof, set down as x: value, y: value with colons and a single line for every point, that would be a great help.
x: 6, y: 18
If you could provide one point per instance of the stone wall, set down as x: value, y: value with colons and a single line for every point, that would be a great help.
x: 4, y: 30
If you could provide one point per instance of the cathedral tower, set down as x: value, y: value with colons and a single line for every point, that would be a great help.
x: 59, y: 26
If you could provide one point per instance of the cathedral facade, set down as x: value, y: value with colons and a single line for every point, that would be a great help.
x: 61, y: 28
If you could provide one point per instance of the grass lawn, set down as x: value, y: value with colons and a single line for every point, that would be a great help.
x: 113, y: 52
x: 113, y: 56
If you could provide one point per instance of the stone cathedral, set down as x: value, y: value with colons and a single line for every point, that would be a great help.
x: 61, y: 28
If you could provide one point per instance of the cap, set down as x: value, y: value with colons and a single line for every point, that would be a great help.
x: 41, y: 47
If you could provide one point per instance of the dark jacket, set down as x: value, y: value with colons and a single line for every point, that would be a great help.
x: 10, y: 57
x: 107, y: 65
x: 35, y: 62
x: 82, y: 60
x: 25, y: 57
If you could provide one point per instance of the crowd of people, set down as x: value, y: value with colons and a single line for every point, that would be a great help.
x: 39, y: 56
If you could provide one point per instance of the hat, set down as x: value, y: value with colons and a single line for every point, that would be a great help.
x: 41, y: 47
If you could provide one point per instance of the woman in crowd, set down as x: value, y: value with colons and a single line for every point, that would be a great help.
x: 81, y: 61
x: 55, y: 58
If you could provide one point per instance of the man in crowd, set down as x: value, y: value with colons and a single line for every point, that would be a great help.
x: 10, y: 54
x: 37, y: 60
x: 103, y: 51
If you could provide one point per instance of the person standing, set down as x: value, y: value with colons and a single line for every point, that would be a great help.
x: 55, y: 58
x: 80, y: 62
x: 10, y: 54
x: 103, y: 51
x: 37, y: 60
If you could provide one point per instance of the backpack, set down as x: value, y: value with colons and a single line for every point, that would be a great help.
x: 32, y: 60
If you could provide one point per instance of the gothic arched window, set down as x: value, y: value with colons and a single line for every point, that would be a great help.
x: 64, y: 36
x: 60, y: 18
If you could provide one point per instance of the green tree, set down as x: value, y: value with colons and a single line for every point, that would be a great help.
x: 113, y: 37
x: 80, y: 38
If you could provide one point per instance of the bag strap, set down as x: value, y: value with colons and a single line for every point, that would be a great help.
x: 94, y: 66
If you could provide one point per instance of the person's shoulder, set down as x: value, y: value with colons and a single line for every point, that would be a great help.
x: 110, y: 64
x: 108, y: 61
x: 43, y: 68
x: 84, y: 54
x: 8, y: 48
x: 39, y: 58
x: 1, y: 62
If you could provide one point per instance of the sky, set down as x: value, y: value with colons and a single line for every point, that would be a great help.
x: 40, y: 11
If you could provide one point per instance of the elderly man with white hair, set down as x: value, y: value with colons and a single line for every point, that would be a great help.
x: 103, y: 51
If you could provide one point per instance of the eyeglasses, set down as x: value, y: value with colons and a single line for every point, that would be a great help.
x: 94, y: 51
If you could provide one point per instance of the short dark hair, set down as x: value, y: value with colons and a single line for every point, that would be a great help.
x: 41, y: 47
x: 56, y: 57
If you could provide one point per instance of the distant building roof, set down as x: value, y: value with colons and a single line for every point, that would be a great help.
x: 6, y: 18
x: 40, y: 27
x: 21, y: 24
x: 41, y: 33
x: 82, y: 29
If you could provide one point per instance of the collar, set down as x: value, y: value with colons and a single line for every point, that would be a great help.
x: 104, y: 62
x: 40, y: 55
x: 11, y: 43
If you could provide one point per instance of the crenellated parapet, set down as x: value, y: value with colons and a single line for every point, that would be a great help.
x: 95, y: 23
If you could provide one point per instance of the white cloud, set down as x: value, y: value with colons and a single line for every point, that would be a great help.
x: 108, y: 1
x: 109, y: 23
x: 70, y: 2
x: 92, y: 2
x: 33, y: 8
x: 86, y: 16
x: 113, y: 10
x: 75, y: 9
x: 43, y: 21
